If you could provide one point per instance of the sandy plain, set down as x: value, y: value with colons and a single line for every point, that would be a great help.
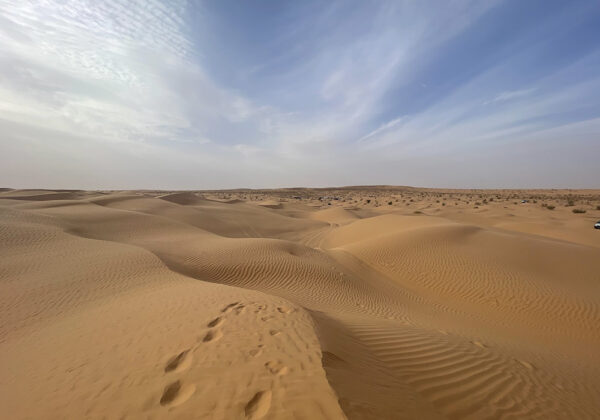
x: 358, y: 302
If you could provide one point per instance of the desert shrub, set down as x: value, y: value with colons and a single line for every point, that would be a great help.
x: 550, y: 207
x: 597, y: 207
x: 418, y: 212
x: 478, y: 203
x: 570, y: 203
x: 368, y: 201
x: 389, y: 203
x: 443, y: 204
x: 578, y: 211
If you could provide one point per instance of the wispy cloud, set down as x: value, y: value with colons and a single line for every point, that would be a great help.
x: 509, y: 95
x: 183, y: 94
x: 382, y: 128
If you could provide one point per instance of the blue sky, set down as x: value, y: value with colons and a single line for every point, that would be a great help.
x: 222, y: 94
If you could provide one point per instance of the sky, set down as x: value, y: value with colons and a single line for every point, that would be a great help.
x: 132, y: 94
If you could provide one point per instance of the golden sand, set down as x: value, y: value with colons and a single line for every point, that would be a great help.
x: 359, y: 303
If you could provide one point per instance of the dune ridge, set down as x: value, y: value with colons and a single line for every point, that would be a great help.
x: 296, y: 304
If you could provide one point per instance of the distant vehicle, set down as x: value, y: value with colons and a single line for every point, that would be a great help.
x: 597, y: 225
x: 524, y: 201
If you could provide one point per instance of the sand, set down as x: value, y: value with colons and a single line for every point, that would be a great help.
x: 360, y: 303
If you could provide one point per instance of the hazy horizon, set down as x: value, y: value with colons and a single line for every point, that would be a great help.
x: 297, y: 187
x: 198, y: 95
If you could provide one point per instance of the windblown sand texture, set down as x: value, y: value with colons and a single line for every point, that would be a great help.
x: 359, y: 303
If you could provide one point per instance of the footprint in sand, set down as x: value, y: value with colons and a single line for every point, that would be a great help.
x: 276, y: 368
x: 229, y: 307
x: 259, y: 405
x: 274, y: 332
x: 176, y: 393
x: 215, y: 322
x: 212, y: 336
x: 284, y: 309
x: 255, y: 352
x: 179, y: 362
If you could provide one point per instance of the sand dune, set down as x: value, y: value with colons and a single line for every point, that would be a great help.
x: 378, y: 303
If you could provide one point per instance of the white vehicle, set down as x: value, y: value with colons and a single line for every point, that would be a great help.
x: 597, y: 225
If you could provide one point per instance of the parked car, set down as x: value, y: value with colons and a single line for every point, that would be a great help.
x: 597, y: 225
